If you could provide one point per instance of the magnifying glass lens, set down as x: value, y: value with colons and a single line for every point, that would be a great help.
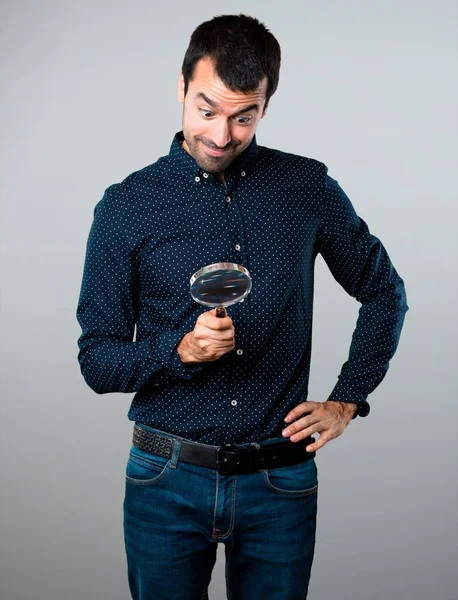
x: 220, y: 284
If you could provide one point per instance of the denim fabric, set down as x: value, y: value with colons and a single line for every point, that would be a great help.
x: 176, y: 513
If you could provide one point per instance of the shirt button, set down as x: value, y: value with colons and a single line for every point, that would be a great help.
x: 243, y: 173
x: 237, y: 247
x: 196, y: 178
x: 228, y: 199
x: 240, y: 352
x: 234, y: 402
x: 205, y: 175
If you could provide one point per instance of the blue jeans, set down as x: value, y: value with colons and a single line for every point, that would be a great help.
x: 176, y: 513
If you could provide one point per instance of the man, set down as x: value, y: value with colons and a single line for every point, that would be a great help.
x: 222, y: 448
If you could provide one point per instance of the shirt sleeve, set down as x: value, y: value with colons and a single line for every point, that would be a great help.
x: 360, y: 263
x: 109, y: 359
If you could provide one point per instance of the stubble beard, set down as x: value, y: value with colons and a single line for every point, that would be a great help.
x: 209, y: 164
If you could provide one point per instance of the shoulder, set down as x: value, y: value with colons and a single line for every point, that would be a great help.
x: 295, y: 165
x: 135, y: 188
x: 298, y: 170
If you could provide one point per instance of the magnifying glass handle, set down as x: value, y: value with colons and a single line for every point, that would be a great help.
x: 221, y: 312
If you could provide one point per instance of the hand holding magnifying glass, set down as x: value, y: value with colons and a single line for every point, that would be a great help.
x: 217, y: 286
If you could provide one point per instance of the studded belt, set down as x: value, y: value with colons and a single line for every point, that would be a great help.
x: 228, y: 459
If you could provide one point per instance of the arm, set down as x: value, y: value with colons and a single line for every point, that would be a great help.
x: 109, y: 359
x: 360, y: 263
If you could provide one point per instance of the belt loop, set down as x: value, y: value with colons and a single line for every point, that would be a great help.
x: 175, y: 452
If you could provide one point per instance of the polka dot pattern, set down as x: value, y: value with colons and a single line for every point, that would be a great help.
x: 275, y: 213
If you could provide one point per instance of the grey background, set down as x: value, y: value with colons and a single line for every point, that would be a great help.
x: 88, y: 96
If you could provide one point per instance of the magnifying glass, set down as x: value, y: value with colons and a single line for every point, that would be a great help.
x: 220, y: 285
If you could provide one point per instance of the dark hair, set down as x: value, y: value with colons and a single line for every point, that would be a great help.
x: 242, y: 49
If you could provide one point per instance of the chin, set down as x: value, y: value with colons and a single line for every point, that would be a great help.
x: 209, y: 165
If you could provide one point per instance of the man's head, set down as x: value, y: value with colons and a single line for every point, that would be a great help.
x: 230, y: 71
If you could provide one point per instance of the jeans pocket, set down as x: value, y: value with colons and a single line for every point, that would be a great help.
x: 294, y: 480
x: 144, y: 468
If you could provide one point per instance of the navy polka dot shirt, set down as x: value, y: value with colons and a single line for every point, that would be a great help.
x: 274, y: 214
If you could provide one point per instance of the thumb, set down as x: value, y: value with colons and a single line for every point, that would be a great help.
x: 220, y: 312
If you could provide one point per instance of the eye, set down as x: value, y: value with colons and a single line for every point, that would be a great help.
x: 206, y: 113
x: 243, y: 120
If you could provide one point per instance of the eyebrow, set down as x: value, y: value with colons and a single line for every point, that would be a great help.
x: 215, y: 105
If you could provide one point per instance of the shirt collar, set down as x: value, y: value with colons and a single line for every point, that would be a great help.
x: 185, y: 163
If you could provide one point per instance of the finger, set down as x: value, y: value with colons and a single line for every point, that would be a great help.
x: 202, y: 342
x: 305, y: 433
x: 301, y: 424
x: 211, y: 348
x: 300, y: 409
x: 216, y: 323
x: 322, y: 440
x: 210, y: 335
x: 205, y: 331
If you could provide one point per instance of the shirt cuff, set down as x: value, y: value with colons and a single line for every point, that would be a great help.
x: 169, y: 343
x: 343, y: 393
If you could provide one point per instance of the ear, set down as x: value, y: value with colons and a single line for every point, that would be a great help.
x: 180, y: 88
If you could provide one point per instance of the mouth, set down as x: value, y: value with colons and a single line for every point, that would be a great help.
x: 216, y: 151
x: 213, y: 152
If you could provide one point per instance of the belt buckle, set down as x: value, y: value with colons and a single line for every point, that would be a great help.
x: 232, y: 459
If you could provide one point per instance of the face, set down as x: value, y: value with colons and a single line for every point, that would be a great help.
x: 218, y: 124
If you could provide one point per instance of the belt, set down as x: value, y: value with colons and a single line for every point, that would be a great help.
x: 228, y: 459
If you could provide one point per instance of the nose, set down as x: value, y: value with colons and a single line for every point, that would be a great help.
x: 221, y: 134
